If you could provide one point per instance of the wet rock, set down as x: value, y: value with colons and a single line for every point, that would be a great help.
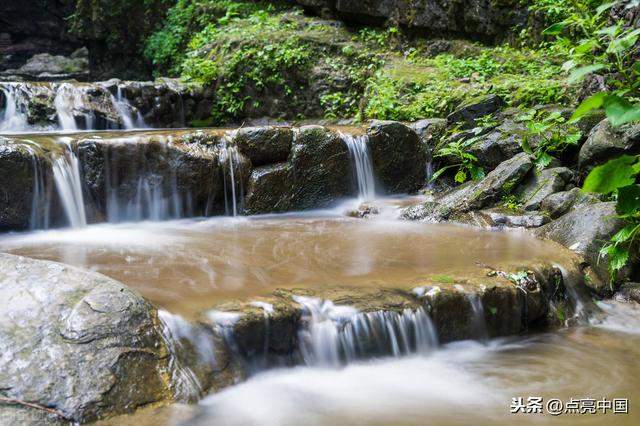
x: 470, y: 111
x: 269, y: 189
x: 555, y: 205
x: 264, y: 145
x: 606, y: 142
x: 150, y: 168
x: 78, y: 342
x: 398, y: 156
x: 319, y: 166
x: 364, y: 210
x: 584, y: 230
x: 23, y: 172
x: 542, y: 184
x: 629, y: 292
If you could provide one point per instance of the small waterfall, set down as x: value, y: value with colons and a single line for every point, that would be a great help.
x: 333, y: 334
x: 429, y: 173
x: 478, y: 321
x: 40, y: 201
x: 66, y: 175
x: 176, y: 331
x: 14, y: 116
x: 126, y: 112
x: 361, y: 160
x: 232, y: 180
x: 67, y: 99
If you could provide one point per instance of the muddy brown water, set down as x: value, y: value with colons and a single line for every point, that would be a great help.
x: 187, y: 266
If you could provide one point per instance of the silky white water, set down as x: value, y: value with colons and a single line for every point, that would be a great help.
x: 66, y: 175
x: 362, y: 165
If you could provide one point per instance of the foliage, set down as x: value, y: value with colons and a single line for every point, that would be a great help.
x: 617, y: 178
x: 122, y: 25
x: 547, y: 135
x: 465, y: 164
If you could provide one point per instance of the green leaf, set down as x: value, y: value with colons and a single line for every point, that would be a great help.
x: 437, y: 174
x: 543, y: 161
x: 625, y: 234
x: 461, y: 176
x: 620, y: 111
x: 579, y: 73
x: 618, y: 257
x: 612, y: 175
x: 555, y: 29
x: 593, y: 102
x: 604, y: 7
x: 628, y: 200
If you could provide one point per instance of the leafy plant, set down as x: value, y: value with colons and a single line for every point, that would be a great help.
x: 547, y: 134
x: 465, y: 163
x: 617, y: 178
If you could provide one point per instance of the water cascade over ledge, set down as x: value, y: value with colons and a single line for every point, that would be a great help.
x: 362, y: 165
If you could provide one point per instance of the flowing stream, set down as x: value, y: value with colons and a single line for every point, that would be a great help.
x: 356, y: 366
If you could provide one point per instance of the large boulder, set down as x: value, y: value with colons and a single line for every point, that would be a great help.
x: 585, y: 230
x: 398, y: 156
x: 606, y: 142
x: 77, y: 342
x: 320, y: 168
x: 264, y: 145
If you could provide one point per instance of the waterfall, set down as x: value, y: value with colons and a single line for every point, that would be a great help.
x: 14, y: 117
x: 67, y: 99
x: 176, y: 331
x: 333, y: 334
x: 40, y: 200
x: 126, y: 111
x: 66, y: 175
x: 232, y: 182
x: 361, y: 160
x: 478, y: 320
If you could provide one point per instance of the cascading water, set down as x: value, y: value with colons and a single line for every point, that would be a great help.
x: 14, y: 117
x: 126, y: 112
x: 231, y: 169
x: 479, y: 322
x: 66, y: 175
x: 361, y: 160
x: 335, y: 334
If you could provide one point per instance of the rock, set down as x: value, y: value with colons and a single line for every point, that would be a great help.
x: 269, y: 189
x: 555, y: 205
x: 264, y: 145
x: 629, y: 292
x: 476, y: 196
x: 150, y: 168
x: 471, y: 110
x: 44, y: 66
x: 78, y: 342
x: 527, y: 220
x: 584, y: 230
x: 363, y: 211
x: 606, y: 142
x: 398, y: 156
x: 25, y: 181
x: 430, y: 131
x: 320, y: 166
x: 498, y: 145
x: 542, y: 184
x: 477, y: 18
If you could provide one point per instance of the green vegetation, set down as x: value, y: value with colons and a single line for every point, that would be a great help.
x: 258, y: 51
